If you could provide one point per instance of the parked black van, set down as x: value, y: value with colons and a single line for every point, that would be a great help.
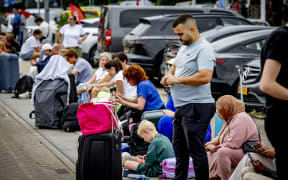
x: 118, y: 21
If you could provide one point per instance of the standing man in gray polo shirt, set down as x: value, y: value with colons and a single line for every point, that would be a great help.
x: 190, y: 78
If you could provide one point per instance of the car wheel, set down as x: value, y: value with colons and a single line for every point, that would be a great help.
x: 92, y: 60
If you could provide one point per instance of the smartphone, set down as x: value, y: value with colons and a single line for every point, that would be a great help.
x: 250, y: 157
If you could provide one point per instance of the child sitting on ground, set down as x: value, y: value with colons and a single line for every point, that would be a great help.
x: 160, y: 148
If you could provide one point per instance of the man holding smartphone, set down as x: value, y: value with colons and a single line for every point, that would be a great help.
x: 190, y: 78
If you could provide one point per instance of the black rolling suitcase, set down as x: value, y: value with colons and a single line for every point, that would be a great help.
x: 99, y: 156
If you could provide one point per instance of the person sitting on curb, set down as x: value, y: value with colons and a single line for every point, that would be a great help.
x: 262, y: 161
x: 147, y: 98
x: 160, y: 148
x: 100, y: 73
x: 225, y: 151
x: 82, y: 69
x: 31, y: 47
x: 129, y: 90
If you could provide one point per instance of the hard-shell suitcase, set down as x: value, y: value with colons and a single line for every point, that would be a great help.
x: 99, y: 155
x: 9, y: 71
x: 153, y: 116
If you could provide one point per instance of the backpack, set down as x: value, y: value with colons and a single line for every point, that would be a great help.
x: 69, y: 120
x: 24, y: 84
x: 137, y: 145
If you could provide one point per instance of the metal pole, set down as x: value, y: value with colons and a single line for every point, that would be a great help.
x: 38, y: 7
x: 263, y: 10
x: 46, y: 6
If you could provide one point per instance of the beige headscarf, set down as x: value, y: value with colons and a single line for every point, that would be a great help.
x: 228, y: 106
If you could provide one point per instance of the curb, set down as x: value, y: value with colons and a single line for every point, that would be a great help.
x: 50, y: 147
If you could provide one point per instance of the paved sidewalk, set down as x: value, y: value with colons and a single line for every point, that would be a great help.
x: 23, y: 156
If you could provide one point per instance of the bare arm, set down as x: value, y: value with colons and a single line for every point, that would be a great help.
x: 59, y: 38
x: 83, y: 38
x: 140, y: 104
x: 197, y: 79
x: 92, y: 79
x: 268, y: 83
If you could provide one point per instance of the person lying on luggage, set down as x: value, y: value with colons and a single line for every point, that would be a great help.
x: 30, y: 50
x: 147, y: 98
x: 160, y: 148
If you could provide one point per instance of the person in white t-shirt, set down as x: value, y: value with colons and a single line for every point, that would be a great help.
x: 114, y: 69
x: 31, y: 47
x: 70, y: 35
x: 44, y: 27
x: 84, y: 97
x: 129, y: 90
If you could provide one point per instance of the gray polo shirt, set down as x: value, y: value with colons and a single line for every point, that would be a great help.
x: 189, y: 60
x: 84, y: 69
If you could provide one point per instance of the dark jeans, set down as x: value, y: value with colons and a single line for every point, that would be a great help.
x: 190, y: 126
x: 276, y: 129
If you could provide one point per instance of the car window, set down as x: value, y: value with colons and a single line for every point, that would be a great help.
x: 130, y: 18
x: 256, y: 46
x: 205, y: 24
x: 233, y: 21
x: 140, y: 28
x: 95, y: 25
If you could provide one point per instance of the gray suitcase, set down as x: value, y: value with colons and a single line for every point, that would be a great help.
x: 9, y: 71
x: 50, y: 101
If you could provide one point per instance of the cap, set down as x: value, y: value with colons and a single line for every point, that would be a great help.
x: 46, y: 47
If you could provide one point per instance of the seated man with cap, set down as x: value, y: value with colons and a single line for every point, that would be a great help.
x: 47, y: 52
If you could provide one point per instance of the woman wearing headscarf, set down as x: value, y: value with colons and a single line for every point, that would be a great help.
x: 225, y: 151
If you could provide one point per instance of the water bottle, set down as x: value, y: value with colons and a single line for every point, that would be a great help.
x: 137, y: 177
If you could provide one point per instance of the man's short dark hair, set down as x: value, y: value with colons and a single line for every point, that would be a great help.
x: 71, y: 52
x: 37, y: 32
x: 182, y: 19
x: 121, y: 56
x: 38, y: 19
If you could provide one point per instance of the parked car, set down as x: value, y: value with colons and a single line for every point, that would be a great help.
x: 234, y: 50
x: 89, y: 45
x: 145, y: 44
x: 117, y: 21
x: 259, y: 22
x: 212, y: 35
x: 253, y: 97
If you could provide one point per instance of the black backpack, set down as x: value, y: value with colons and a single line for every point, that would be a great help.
x: 137, y: 145
x: 69, y: 119
x: 24, y: 84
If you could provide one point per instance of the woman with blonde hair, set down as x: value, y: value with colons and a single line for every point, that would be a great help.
x: 225, y: 151
x: 100, y: 73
